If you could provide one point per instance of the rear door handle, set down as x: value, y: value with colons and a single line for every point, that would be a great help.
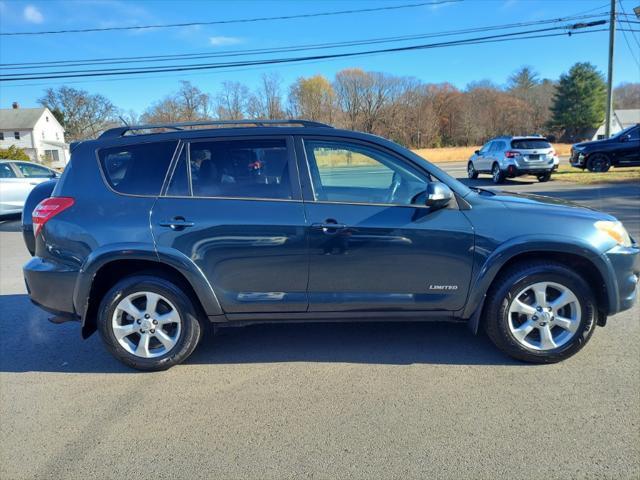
x: 177, y: 223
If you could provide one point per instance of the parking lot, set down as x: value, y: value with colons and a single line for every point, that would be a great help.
x: 379, y: 400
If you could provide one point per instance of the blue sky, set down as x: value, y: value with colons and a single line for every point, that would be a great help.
x: 457, y: 65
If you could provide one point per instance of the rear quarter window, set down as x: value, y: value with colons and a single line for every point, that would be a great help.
x: 137, y: 169
x: 530, y: 144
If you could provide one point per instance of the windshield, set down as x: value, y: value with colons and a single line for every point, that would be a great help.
x: 623, y: 132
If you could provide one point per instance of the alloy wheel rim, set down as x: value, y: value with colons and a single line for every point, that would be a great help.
x: 470, y: 170
x: 544, y: 316
x: 496, y: 173
x: 146, y: 324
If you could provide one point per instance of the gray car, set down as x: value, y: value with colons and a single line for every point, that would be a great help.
x: 509, y: 157
x: 17, y: 179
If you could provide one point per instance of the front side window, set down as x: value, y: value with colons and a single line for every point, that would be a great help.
x: 137, y: 169
x: 353, y: 173
x: 234, y: 169
x: 6, y: 171
x: 30, y: 170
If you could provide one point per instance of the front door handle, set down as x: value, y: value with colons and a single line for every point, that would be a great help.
x: 177, y: 223
x: 329, y: 227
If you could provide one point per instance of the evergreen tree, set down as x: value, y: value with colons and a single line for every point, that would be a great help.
x: 579, y: 102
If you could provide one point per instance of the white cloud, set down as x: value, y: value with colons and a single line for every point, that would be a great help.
x: 220, y: 41
x: 32, y: 14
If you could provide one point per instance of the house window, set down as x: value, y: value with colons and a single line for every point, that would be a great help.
x: 47, y: 118
x: 600, y: 137
x: 1, y: 135
x: 51, y: 155
x: 43, y: 134
x: 57, y: 137
x: 16, y: 135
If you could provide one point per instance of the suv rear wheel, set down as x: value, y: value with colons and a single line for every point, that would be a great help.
x: 544, y: 177
x: 540, y: 312
x: 148, y: 323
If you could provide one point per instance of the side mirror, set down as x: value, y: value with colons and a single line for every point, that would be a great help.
x: 625, y: 138
x: 477, y: 152
x: 438, y: 195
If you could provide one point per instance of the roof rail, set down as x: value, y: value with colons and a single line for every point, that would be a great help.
x: 121, y: 131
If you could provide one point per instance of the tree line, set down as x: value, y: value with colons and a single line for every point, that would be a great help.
x: 404, y: 109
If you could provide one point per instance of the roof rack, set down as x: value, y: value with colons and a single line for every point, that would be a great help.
x: 121, y: 131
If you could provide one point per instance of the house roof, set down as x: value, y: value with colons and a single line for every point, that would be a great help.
x: 20, y: 118
x: 628, y: 117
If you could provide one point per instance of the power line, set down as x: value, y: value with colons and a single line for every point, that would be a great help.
x: 626, y: 40
x: 210, y: 66
x: 235, y: 53
x: 238, y: 20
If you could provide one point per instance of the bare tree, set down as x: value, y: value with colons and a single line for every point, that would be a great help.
x: 83, y: 115
x: 231, y: 101
x: 189, y: 103
x: 627, y: 95
x: 266, y: 102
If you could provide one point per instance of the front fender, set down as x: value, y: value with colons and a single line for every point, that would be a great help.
x: 142, y: 251
x: 527, y: 244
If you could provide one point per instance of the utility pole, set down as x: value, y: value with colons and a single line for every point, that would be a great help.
x: 612, y: 37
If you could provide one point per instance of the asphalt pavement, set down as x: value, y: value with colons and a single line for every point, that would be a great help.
x: 370, y: 401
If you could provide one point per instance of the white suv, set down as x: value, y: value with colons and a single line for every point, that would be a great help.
x: 508, y: 157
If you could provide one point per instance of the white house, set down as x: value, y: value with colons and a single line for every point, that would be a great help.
x: 36, y: 131
x: 620, y: 120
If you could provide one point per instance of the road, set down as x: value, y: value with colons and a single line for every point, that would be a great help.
x: 366, y: 401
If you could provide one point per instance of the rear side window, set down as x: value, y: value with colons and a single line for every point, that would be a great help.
x: 235, y: 169
x: 137, y: 169
x: 530, y: 143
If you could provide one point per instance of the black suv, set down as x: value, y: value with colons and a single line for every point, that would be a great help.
x: 621, y: 150
x: 149, y: 237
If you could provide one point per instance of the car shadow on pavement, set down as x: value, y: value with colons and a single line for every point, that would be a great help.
x: 30, y: 343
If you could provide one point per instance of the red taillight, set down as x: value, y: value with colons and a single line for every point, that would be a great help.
x: 512, y: 154
x: 47, y: 209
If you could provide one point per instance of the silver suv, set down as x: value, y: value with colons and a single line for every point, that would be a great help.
x: 508, y: 157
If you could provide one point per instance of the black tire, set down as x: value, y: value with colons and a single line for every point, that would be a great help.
x: 497, y: 175
x: 510, y: 283
x: 191, y: 328
x: 545, y: 177
x: 598, y: 163
x: 472, y: 173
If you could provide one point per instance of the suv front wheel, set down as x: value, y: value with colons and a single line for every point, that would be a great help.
x: 148, y: 323
x: 540, y: 312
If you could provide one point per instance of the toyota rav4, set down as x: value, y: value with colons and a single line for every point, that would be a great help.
x: 154, y: 232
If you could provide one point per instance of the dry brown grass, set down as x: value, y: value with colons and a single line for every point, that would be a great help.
x: 567, y: 173
x: 460, y: 154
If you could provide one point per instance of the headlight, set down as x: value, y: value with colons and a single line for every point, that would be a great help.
x: 615, y: 231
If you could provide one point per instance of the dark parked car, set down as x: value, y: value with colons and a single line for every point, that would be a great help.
x: 621, y: 150
x: 149, y: 237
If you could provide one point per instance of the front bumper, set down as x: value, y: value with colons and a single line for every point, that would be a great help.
x: 577, y: 159
x: 50, y: 285
x: 624, y: 265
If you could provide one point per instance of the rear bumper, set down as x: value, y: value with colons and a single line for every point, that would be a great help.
x: 50, y: 285
x: 625, y: 268
x: 516, y: 171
